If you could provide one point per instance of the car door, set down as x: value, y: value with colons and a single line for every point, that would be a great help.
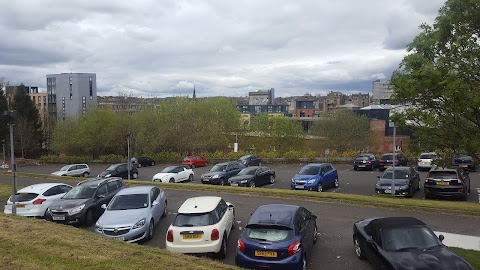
x: 223, y: 217
x: 308, y: 229
x: 182, y: 173
x: 155, y: 204
x: 101, y: 197
x: 122, y: 171
x: 259, y: 177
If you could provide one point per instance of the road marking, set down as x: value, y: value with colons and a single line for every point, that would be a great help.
x: 461, y: 241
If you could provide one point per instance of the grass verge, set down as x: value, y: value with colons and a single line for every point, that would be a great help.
x: 471, y: 256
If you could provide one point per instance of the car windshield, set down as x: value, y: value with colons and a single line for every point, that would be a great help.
x: 65, y: 168
x: 309, y: 170
x: 218, y: 168
x: 407, y: 238
x: 169, y: 169
x: 270, y: 234
x: 244, y: 158
x: 399, y: 174
x: 194, y: 220
x: 428, y: 156
x: 130, y: 201
x: 247, y: 171
x: 389, y: 157
x: 361, y: 158
x: 112, y: 168
x: 80, y: 192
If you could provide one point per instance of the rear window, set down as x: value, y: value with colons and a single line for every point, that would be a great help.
x: 361, y: 158
x: 428, y: 156
x: 443, y: 174
x: 194, y: 220
x: 270, y: 234
x: 23, y: 197
x: 389, y: 157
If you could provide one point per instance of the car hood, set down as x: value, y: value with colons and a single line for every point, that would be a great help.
x: 213, y: 173
x: 122, y: 218
x: 161, y: 175
x: 105, y: 173
x: 238, y: 178
x: 438, y: 259
x: 59, y: 172
x: 65, y: 204
x: 398, y: 182
x: 303, y: 177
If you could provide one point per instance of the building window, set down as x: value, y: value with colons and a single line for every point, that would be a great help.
x: 90, y: 85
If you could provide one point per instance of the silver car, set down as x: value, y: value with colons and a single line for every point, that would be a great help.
x: 133, y: 213
x: 74, y: 170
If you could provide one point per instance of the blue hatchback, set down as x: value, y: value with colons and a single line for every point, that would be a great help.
x: 315, y: 176
x: 277, y: 236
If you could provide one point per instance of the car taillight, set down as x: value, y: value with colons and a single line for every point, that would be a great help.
x: 215, y: 235
x: 294, y: 248
x: 396, y: 161
x: 240, y: 245
x: 170, y: 236
x: 419, y: 160
x: 381, y: 160
x: 369, y: 162
x: 39, y: 201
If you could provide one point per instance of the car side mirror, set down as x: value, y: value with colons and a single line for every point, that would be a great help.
x: 441, y: 237
x: 101, y: 196
x: 155, y: 203
x: 372, y: 243
x: 231, y: 206
x: 104, y: 206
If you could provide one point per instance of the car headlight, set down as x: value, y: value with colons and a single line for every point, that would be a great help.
x: 377, y: 186
x: 293, y: 180
x: 311, y: 181
x: 404, y: 187
x: 98, y: 227
x: 76, y: 210
x: 243, y: 181
x: 215, y: 176
x: 139, y: 224
x: 108, y: 175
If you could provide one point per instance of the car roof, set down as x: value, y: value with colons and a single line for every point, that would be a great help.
x: 274, y: 214
x: 378, y: 224
x: 39, y: 188
x: 135, y: 190
x: 225, y: 163
x: 318, y: 164
x: 202, y: 204
x: 429, y: 153
x: 97, y: 181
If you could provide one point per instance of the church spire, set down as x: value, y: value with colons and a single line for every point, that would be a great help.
x: 194, y: 96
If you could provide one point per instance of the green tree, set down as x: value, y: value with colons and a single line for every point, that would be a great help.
x: 344, y: 130
x: 284, y: 131
x: 4, y: 129
x: 440, y: 79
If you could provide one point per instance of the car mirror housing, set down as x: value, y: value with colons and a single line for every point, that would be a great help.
x: 441, y: 237
x: 231, y: 205
x: 104, y: 206
x: 378, y: 176
x: 155, y: 203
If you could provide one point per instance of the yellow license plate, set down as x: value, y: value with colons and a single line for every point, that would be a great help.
x: 443, y: 183
x: 192, y: 236
x: 262, y: 253
x: 20, y: 205
x: 387, y: 166
x: 361, y: 166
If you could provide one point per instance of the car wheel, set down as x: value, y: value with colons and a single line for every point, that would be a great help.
x: 165, y: 210
x: 221, y: 182
x: 272, y: 179
x: 315, y: 234
x: 193, y: 166
x: 190, y: 178
x: 135, y: 175
x: 428, y: 197
x: 89, y: 218
x: 85, y: 175
x: 355, y: 168
x: 151, y: 226
x: 320, y: 187
x: 336, y: 183
x: 222, y: 254
x: 171, y: 180
x: 139, y: 165
x: 153, y: 163
x: 358, y: 248
x: 251, y: 183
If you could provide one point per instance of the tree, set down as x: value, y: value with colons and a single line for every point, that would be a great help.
x: 283, y: 130
x: 440, y: 80
x: 3, y: 107
x: 344, y: 130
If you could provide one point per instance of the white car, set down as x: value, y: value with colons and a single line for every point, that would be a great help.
x: 34, y: 200
x: 425, y: 160
x: 74, y: 170
x: 202, y: 226
x: 174, y: 174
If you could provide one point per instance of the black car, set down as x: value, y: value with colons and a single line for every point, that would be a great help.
x: 250, y: 160
x: 365, y: 161
x: 401, y: 243
x: 253, y: 176
x: 387, y: 160
x: 143, y: 161
x: 120, y: 170
x: 464, y: 161
x: 447, y: 182
x: 406, y: 181
x: 221, y: 172
x: 82, y: 204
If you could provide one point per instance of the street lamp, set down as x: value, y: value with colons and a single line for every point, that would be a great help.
x: 11, y: 115
x: 4, y: 161
x: 128, y: 154
x: 392, y: 124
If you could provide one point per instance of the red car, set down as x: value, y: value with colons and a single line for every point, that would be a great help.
x: 195, y: 161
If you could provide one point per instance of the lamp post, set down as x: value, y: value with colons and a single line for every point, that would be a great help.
x: 11, y: 115
x: 4, y: 161
x: 128, y: 154
x: 392, y: 124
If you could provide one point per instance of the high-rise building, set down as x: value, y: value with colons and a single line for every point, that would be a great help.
x: 71, y: 94
x: 382, y: 91
x: 262, y: 97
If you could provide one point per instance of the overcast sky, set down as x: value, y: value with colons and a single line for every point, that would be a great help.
x: 154, y: 48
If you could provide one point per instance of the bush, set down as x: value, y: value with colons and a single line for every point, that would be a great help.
x: 112, y: 158
x: 62, y: 159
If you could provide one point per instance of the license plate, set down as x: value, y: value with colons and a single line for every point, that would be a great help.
x: 20, y: 205
x: 58, y: 218
x: 121, y: 238
x: 234, y: 185
x: 206, y: 180
x: 262, y: 253
x: 463, y: 166
x: 191, y: 236
x: 361, y: 166
x: 387, y: 166
x: 441, y: 183
x: 299, y: 186
x: 388, y: 191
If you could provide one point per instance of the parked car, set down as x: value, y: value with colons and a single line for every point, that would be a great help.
x: 387, y: 160
x: 447, y: 182
x: 365, y: 161
x: 34, y: 200
x: 221, y: 172
x: 120, y: 170
x: 464, y: 161
x: 425, y: 160
x: 406, y: 181
x: 403, y: 243
x: 253, y: 176
x: 277, y: 236
x: 195, y: 161
x: 174, y: 174
x: 74, y: 170
x: 316, y: 177
x: 202, y: 226
x: 250, y: 160
x: 142, y: 161
x: 82, y: 204
x: 133, y: 213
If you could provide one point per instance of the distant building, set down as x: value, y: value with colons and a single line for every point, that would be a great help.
x: 333, y: 101
x: 10, y: 91
x: 306, y: 106
x: 359, y: 100
x: 40, y: 100
x: 270, y: 109
x: 71, y: 94
x: 262, y: 97
x: 382, y: 92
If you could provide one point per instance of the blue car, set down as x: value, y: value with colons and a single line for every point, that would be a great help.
x: 316, y: 177
x: 277, y: 236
